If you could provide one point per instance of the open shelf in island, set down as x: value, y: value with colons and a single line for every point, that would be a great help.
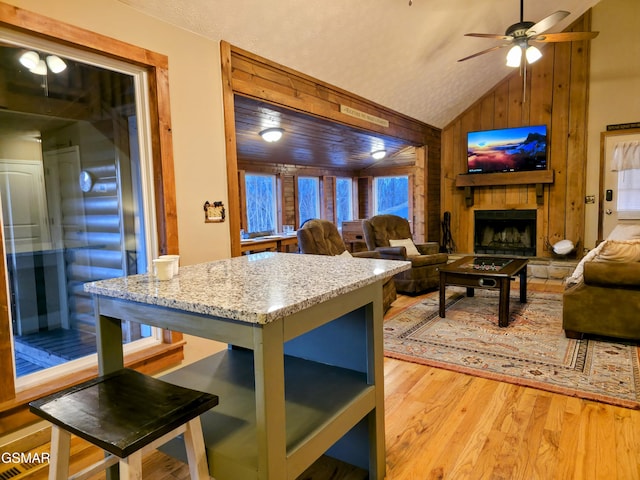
x: 321, y: 403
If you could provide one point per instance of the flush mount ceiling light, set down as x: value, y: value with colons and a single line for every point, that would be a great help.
x: 271, y: 134
x: 31, y: 60
x: 379, y: 154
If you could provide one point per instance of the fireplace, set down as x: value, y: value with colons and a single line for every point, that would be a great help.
x: 505, y: 232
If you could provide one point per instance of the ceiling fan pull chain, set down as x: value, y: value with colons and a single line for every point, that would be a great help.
x: 524, y: 83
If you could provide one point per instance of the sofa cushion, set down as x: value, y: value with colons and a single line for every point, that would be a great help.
x: 619, y: 251
x: 614, y: 275
x: 408, y: 244
x: 607, y: 251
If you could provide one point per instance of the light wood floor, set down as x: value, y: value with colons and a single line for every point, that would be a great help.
x: 444, y: 425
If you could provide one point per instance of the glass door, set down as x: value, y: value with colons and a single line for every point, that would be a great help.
x: 73, y: 171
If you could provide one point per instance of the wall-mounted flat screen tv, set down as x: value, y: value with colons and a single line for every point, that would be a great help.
x: 507, y: 150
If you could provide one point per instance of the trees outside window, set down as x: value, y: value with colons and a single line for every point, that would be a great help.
x: 261, y: 203
x: 391, y: 196
x: 308, y: 198
x: 344, y: 200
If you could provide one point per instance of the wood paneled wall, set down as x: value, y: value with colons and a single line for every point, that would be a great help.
x: 556, y: 94
x: 249, y: 75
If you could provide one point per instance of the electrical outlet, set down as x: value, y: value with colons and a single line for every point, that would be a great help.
x: 590, y: 199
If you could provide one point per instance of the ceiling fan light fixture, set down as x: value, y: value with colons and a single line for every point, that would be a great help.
x: 55, y: 63
x: 379, y: 154
x: 30, y: 59
x: 40, y: 68
x: 533, y: 54
x: 514, y: 57
x: 271, y: 134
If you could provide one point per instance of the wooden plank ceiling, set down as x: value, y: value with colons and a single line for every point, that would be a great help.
x: 311, y: 141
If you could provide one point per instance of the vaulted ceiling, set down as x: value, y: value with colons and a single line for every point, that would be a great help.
x: 402, y: 56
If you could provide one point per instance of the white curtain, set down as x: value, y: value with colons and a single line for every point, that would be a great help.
x: 626, y: 156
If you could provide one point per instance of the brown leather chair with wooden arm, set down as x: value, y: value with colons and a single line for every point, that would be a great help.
x: 321, y: 237
x: 381, y: 231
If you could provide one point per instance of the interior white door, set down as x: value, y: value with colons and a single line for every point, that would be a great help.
x: 24, y: 206
x: 621, y: 189
x: 66, y: 203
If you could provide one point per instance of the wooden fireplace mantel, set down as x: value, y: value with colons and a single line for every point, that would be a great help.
x: 538, y: 178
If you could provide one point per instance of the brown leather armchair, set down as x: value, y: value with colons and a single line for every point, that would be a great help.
x: 321, y: 237
x: 424, y: 272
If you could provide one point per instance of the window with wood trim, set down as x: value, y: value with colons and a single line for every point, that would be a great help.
x: 344, y: 200
x: 261, y: 200
x: 391, y: 195
x: 308, y: 198
x: 130, y: 71
x: 72, y: 200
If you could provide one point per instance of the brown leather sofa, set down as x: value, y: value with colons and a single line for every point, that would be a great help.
x: 424, y: 272
x: 606, y: 302
x: 321, y: 237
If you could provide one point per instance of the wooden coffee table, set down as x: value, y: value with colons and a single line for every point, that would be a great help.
x: 493, y: 273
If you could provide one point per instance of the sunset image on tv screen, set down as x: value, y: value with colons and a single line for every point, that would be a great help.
x: 507, y: 150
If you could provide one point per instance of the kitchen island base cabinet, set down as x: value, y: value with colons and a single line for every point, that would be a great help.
x: 327, y: 392
x: 308, y: 378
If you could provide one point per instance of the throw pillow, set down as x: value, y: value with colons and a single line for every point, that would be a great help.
x: 620, y: 251
x: 628, y: 231
x: 407, y: 243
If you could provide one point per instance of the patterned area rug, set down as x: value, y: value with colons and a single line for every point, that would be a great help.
x: 532, y: 351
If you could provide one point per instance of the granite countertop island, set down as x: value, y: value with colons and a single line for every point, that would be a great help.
x: 254, y: 288
x: 304, y: 376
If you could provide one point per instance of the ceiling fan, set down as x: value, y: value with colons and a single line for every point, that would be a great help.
x: 519, y: 35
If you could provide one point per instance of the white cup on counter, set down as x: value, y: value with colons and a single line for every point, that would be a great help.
x: 176, y: 262
x: 163, y: 268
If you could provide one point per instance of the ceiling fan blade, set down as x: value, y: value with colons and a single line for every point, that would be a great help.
x: 564, y: 37
x: 546, y: 23
x: 483, y: 52
x: 489, y: 35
